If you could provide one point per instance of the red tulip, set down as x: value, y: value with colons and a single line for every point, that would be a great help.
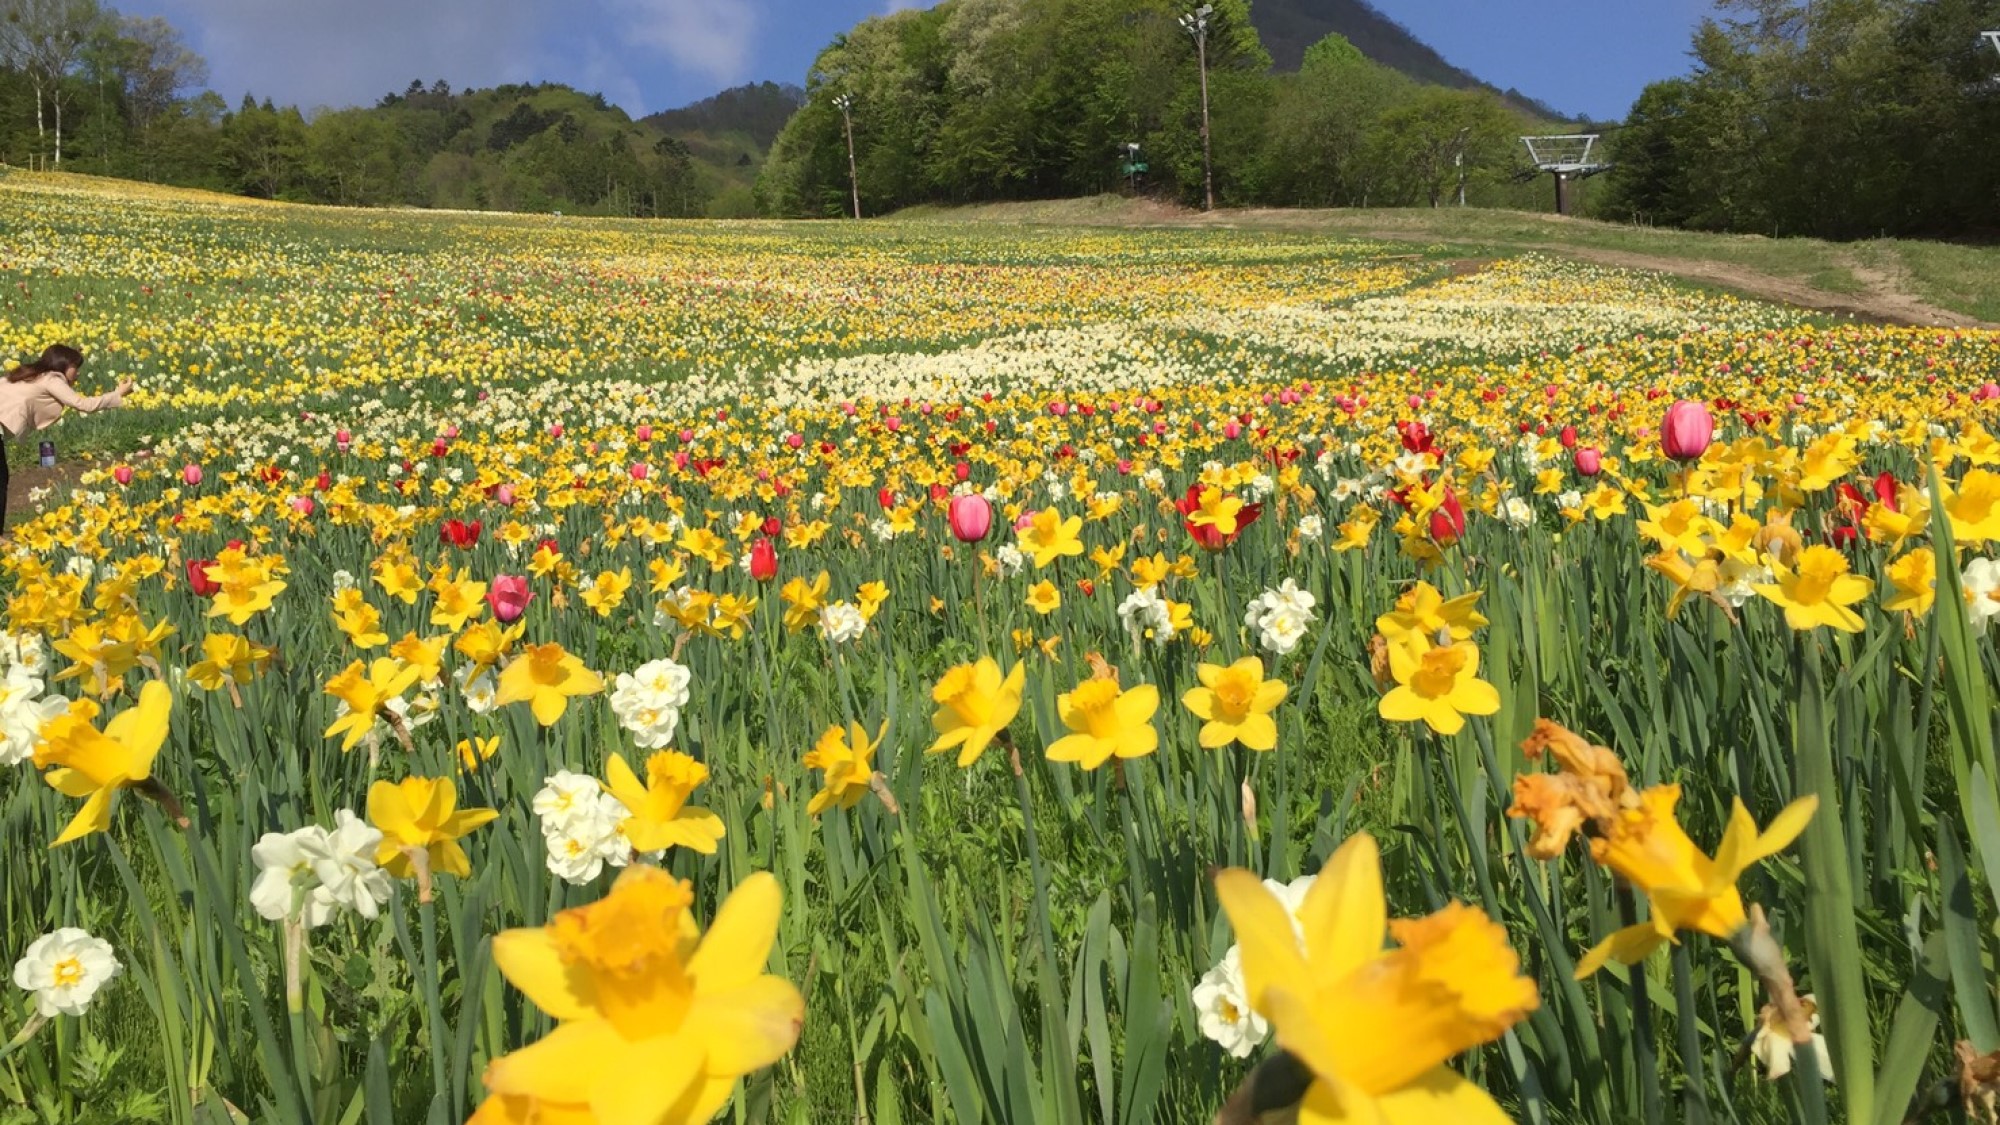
x: 198, y: 579
x: 509, y: 596
x: 458, y: 533
x: 763, y: 560
x: 970, y: 516
x: 1686, y: 430
x: 1205, y: 535
x: 1448, y: 520
x: 122, y: 474
x: 1588, y: 461
x: 1567, y: 437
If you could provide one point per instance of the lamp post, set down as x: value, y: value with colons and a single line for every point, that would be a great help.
x: 1195, y: 23
x: 846, y: 104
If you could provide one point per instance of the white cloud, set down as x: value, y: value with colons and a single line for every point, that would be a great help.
x: 709, y: 37
x: 317, y: 53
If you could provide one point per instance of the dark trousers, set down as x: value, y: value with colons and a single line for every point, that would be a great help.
x: 3, y: 480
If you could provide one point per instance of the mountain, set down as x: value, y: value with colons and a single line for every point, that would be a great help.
x: 728, y: 136
x: 1288, y: 27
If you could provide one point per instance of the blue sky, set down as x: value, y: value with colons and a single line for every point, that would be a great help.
x: 1581, y: 56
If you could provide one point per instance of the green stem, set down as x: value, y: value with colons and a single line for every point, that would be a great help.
x: 1645, y: 1054
x: 433, y: 1009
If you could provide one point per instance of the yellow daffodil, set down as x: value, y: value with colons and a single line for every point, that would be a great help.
x: 1105, y: 722
x: 1044, y: 598
x: 228, y: 659
x: 366, y: 690
x: 422, y: 813
x: 1049, y: 537
x: 660, y: 816
x: 96, y: 764
x: 1236, y: 702
x: 1423, y: 611
x: 637, y: 990
x: 975, y: 703
x: 1913, y: 582
x: 1818, y: 590
x: 846, y: 756
x: 1438, y: 685
x: 546, y: 678
x: 1375, y: 1027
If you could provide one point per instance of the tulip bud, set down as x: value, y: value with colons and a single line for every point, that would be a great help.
x: 971, y: 517
x: 763, y: 560
x: 1686, y: 430
x: 191, y: 475
x: 509, y: 596
x: 1588, y: 461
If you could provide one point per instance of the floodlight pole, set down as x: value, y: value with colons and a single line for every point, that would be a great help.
x: 846, y: 104
x: 1195, y: 23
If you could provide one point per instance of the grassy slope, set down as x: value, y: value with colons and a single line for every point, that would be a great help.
x: 1961, y: 279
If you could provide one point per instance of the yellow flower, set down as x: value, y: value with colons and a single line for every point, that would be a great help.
x: 870, y: 597
x: 1376, y: 1027
x: 96, y: 764
x: 360, y: 621
x: 1105, y: 722
x: 1044, y: 598
x: 398, y: 579
x: 1108, y: 559
x: 974, y: 705
x: 1216, y: 510
x: 1914, y: 579
x: 1049, y: 536
x: 663, y: 574
x: 1355, y: 531
x: 422, y: 812
x: 1424, y: 612
x: 1689, y: 578
x: 458, y: 601
x: 1236, y: 701
x: 636, y: 990
x: 803, y: 601
x: 366, y: 691
x: 425, y: 654
x: 1604, y: 502
x: 228, y: 658
x: 1974, y: 507
x: 1438, y: 685
x: 97, y: 654
x: 247, y: 585
x: 1647, y: 847
x: 1149, y: 572
x: 545, y: 677
x: 488, y: 642
x: 847, y: 757
x: 607, y: 591
x: 1679, y: 525
x: 472, y: 751
x: 1818, y: 591
x: 661, y: 817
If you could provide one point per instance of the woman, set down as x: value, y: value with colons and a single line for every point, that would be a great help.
x: 33, y: 395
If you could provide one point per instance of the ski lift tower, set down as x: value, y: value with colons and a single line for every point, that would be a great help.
x: 1567, y: 158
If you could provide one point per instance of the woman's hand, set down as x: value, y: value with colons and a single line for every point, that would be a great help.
x: 124, y: 387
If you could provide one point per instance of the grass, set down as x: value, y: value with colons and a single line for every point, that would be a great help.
x: 1960, y: 279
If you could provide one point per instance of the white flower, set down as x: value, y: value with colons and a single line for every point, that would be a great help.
x: 1572, y: 500
x: 882, y: 530
x: 1292, y: 896
x: 64, y: 970
x: 1738, y: 581
x: 478, y: 687
x: 1311, y: 528
x: 22, y: 713
x: 841, y: 622
x: 1774, y: 1048
x: 343, y: 861
x: 1347, y: 489
x: 1517, y: 513
x: 1145, y: 613
x: 648, y: 702
x: 342, y: 580
x: 81, y: 567
x: 285, y: 877
x: 1262, y: 486
x: 564, y: 797
x: 1280, y: 616
x: 1981, y: 581
x: 1010, y: 559
x: 1223, y: 1010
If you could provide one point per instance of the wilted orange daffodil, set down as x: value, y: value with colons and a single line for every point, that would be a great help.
x: 1375, y: 1026
x: 1235, y: 702
x: 96, y: 764
x: 655, y: 1023
x: 546, y: 677
x: 975, y: 704
x: 660, y: 816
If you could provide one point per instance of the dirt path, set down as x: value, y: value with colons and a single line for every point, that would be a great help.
x: 1885, y: 299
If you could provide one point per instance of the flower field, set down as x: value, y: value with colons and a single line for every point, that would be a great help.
x: 526, y: 669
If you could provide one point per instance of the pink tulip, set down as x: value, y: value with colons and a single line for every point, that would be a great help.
x: 970, y: 516
x: 555, y: 429
x: 681, y: 459
x: 894, y: 423
x: 504, y: 495
x: 638, y: 470
x: 303, y: 505
x: 645, y: 433
x: 1232, y: 430
x: 122, y: 474
x: 191, y: 475
x: 451, y: 433
x: 1588, y: 461
x: 687, y: 437
x: 796, y: 441
x: 1026, y: 520
x: 509, y: 596
x: 1988, y: 392
x: 1686, y: 430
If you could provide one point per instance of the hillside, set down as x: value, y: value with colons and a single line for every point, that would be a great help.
x: 728, y: 135
x: 1288, y: 27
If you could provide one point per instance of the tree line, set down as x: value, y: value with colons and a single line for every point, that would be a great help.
x: 1010, y: 99
x: 86, y: 89
x: 1835, y: 118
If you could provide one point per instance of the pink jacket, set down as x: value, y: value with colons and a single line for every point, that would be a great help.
x: 34, y: 404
